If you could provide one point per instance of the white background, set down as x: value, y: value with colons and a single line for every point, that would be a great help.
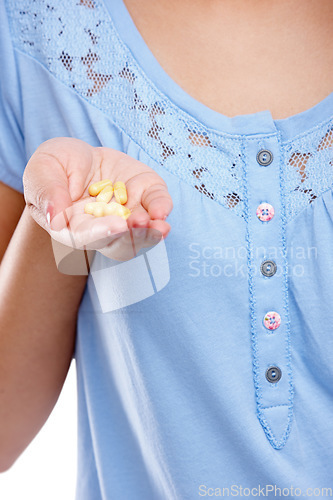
x: 46, y: 470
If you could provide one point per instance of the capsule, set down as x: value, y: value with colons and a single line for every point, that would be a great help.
x: 105, y: 195
x: 114, y: 208
x: 89, y: 208
x: 99, y: 211
x: 94, y: 207
x: 120, y: 192
x: 97, y: 187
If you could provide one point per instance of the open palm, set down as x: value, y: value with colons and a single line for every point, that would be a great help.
x: 56, y: 182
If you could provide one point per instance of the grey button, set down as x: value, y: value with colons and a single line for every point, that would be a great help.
x: 268, y: 268
x: 264, y: 157
x: 273, y: 374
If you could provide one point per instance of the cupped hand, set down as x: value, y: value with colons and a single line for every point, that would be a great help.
x: 56, y: 182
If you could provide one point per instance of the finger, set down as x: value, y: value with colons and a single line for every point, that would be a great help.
x: 128, y: 245
x: 157, y: 201
x: 95, y: 232
x: 85, y: 230
x: 161, y: 227
x: 49, y: 204
x: 55, y: 176
x: 139, y: 217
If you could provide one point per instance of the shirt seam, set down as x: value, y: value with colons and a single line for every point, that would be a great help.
x: 307, y: 207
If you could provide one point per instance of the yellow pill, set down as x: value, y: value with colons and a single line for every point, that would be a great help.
x: 105, y: 195
x: 120, y: 192
x: 99, y: 210
x: 126, y: 213
x: 89, y: 208
x: 96, y: 188
x: 114, y: 208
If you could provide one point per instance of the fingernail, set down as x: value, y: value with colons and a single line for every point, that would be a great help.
x: 49, y: 213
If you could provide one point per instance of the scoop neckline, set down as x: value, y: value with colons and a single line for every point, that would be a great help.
x: 260, y: 122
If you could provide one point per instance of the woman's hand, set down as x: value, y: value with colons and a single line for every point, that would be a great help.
x: 56, y: 182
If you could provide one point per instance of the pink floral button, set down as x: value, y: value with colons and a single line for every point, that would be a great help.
x: 272, y: 320
x: 265, y: 212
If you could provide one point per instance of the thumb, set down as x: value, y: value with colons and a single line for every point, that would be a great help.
x: 46, y: 192
x: 54, y: 202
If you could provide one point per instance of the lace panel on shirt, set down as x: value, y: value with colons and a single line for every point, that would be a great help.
x: 77, y: 42
x: 308, y: 168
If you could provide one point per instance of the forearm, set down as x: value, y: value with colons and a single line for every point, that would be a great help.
x: 9, y: 218
x: 38, y: 310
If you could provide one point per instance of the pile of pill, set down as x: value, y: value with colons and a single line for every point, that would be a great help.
x: 103, y: 191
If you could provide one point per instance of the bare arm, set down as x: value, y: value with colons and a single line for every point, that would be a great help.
x: 9, y: 218
x: 38, y: 311
x: 38, y: 304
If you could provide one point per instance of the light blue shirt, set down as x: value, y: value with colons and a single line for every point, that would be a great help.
x: 223, y: 377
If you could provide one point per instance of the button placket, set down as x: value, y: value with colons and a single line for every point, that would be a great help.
x: 268, y: 295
